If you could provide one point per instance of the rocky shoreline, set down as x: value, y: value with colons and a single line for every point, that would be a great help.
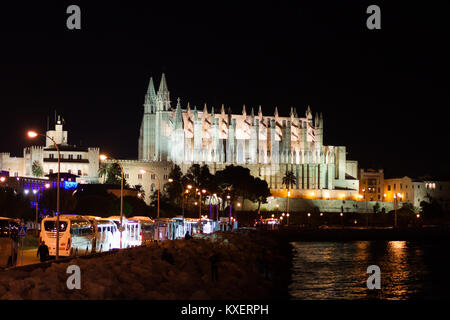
x: 251, y: 265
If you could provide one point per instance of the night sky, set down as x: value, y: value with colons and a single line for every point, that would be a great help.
x: 383, y: 93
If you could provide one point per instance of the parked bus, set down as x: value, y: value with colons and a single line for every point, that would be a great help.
x: 107, y: 235
x: 9, y: 241
x: 209, y: 225
x: 146, y: 229
x: 161, y: 229
x: 76, y: 235
x: 126, y: 235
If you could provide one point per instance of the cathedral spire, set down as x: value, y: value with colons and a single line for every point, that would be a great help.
x: 252, y: 114
x: 195, y: 113
x: 260, y: 111
x: 163, y: 85
x: 151, y: 89
x: 222, y: 110
x: 291, y: 114
x: 205, y: 110
x: 244, y: 112
x: 308, y: 112
x: 188, y: 108
x: 178, y: 119
x: 163, y: 95
x: 150, y: 98
x: 276, y: 112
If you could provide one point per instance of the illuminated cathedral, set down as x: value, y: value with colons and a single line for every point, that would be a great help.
x: 269, y: 145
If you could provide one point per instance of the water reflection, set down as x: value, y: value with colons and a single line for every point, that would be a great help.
x: 337, y: 270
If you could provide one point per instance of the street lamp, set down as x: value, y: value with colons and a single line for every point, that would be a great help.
x: 159, y: 187
x: 287, y: 216
x: 200, y: 207
x: 103, y: 158
x: 33, y: 134
x: 287, y: 205
x: 396, y: 196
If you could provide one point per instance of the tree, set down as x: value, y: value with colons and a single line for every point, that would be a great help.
x: 140, y: 190
x: 114, y: 175
x: 234, y: 181
x: 289, y: 179
x: 431, y: 209
x: 103, y: 170
x: 36, y: 169
x: 260, y: 191
x: 376, y: 207
x: 175, y: 188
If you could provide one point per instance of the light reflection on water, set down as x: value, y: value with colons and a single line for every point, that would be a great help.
x: 337, y: 270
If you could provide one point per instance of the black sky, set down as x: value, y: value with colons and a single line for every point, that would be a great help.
x: 383, y: 93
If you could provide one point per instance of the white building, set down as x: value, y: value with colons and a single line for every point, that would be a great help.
x: 269, y: 145
x: 81, y: 161
x: 414, y: 191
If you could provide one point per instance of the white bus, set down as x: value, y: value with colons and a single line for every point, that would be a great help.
x: 146, y: 229
x: 130, y: 233
x: 107, y: 235
x: 9, y: 241
x: 76, y: 235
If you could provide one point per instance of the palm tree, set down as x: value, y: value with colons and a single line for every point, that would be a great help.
x: 103, y: 170
x: 289, y: 180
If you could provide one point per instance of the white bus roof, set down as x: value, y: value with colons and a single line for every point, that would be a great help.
x: 67, y: 217
x: 140, y: 218
x: 117, y: 218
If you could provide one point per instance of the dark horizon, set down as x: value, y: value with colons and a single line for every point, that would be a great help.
x: 383, y: 93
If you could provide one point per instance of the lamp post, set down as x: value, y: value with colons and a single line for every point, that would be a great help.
x: 159, y: 187
x: 104, y: 157
x: 396, y: 196
x: 33, y: 134
x: 287, y: 205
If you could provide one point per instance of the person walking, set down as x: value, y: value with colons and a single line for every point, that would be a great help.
x: 187, y: 236
x: 42, y: 252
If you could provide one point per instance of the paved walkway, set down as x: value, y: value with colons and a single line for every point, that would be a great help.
x: 29, y: 257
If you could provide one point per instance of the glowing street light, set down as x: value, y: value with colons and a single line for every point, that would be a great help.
x: 2, y: 179
x: 34, y: 134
